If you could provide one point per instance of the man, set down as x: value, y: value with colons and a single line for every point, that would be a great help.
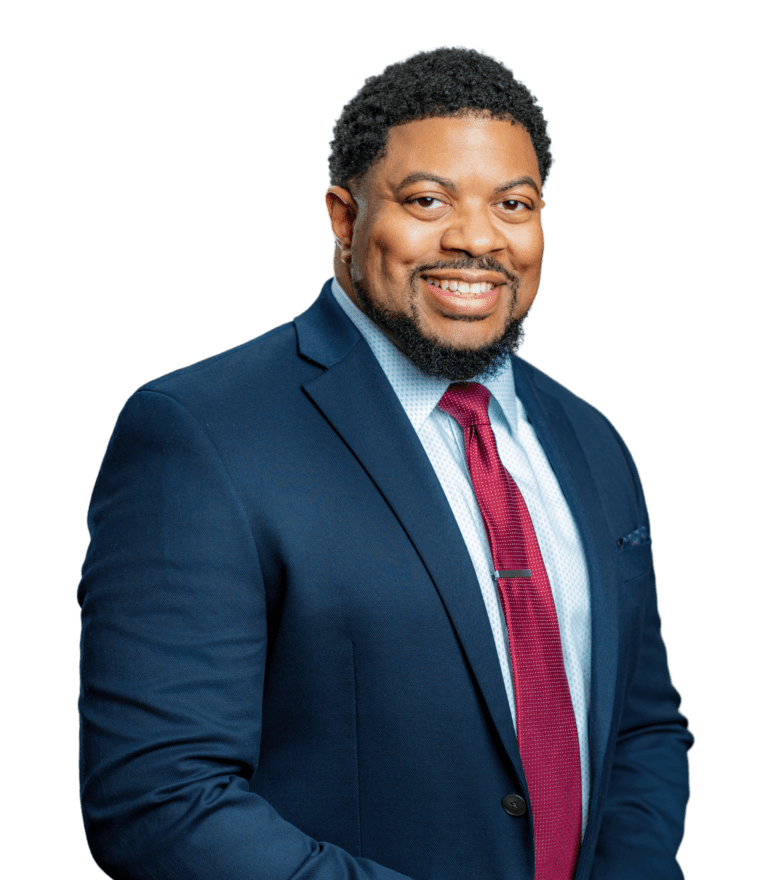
x: 367, y: 596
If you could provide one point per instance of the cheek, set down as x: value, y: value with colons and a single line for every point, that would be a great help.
x: 397, y: 245
x: 527, y: 250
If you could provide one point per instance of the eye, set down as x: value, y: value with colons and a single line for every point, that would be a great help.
x: 513, y: 206
x: 425, y: 202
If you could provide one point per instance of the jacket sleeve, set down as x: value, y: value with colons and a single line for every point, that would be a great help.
x: 642, y: 824
x: 174, y: 646
x: 642, y: 821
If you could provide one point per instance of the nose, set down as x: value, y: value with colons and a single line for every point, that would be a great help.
x: 472, y: 229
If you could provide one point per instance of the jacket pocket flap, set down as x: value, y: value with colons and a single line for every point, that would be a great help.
x: 634, y: 552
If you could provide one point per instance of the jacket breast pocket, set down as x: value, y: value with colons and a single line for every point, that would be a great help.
x: 634, y: 553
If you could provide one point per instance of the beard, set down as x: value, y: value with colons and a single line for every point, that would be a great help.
x: 433, y: 357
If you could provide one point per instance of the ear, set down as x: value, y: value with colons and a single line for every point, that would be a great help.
x: 342, y: 209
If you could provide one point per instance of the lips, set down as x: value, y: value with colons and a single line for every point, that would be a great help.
x: 467, y: 301
x: 458, y: 285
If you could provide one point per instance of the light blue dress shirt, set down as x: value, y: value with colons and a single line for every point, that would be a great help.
x: 522, y: 455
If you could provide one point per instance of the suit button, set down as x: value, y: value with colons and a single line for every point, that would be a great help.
x: 514, y: 805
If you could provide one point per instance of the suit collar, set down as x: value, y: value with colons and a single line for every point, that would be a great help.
x: 419, y: 394
x: 325, y: 334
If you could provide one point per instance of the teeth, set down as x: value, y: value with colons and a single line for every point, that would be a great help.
x: 463, y: 287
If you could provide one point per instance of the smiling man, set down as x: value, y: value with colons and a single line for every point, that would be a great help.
x: 447, y: 244
x: 370, y: 596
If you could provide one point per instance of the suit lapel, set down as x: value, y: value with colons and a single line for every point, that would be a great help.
x: 565, y: 454
x: 356, y: 398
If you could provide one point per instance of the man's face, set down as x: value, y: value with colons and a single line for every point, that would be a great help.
x: 455, y: 202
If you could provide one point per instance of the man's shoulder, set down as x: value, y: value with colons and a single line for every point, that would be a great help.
x: 280, y: 360
x: 238, y: 392
x: 252, y: 361
x: 233, y: 393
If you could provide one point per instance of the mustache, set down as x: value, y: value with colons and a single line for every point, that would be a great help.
x: 467, y: 264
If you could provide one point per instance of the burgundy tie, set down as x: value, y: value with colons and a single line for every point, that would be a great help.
x: 546, y: 727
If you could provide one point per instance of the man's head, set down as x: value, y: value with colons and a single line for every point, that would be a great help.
x: 437, y: 167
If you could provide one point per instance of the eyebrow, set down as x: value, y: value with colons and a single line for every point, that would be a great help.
x: 418, y: 176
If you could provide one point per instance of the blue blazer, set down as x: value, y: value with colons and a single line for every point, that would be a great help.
x: 287, y: 666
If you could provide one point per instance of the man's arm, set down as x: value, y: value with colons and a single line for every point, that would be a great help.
x: 642, y: 821
x: 174, y: 647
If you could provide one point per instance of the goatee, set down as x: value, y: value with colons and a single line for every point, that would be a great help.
x: 434, y: 357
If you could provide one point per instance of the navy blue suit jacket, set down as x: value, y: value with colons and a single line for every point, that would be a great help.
x: 287, y: 666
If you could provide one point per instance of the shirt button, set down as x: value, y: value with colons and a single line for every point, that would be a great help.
x: 514, y: 805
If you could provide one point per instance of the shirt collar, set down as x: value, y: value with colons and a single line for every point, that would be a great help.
x: 418, y: 393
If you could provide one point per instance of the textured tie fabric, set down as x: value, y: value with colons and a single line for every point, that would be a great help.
x: 546, y: 727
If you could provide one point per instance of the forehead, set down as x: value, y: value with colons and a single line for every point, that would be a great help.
x: 473, y: 149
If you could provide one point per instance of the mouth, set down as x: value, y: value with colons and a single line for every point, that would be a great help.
x: 463, y: 296
x: 462, y: 288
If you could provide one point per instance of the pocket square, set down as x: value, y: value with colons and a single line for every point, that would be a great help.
x: 641, y: 535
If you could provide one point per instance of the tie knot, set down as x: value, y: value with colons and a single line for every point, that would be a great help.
x: 467, y: 403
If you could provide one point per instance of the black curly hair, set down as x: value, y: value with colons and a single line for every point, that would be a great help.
x: 443, y: 82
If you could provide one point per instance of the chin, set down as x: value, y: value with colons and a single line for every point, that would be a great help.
x: 457, y: 356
